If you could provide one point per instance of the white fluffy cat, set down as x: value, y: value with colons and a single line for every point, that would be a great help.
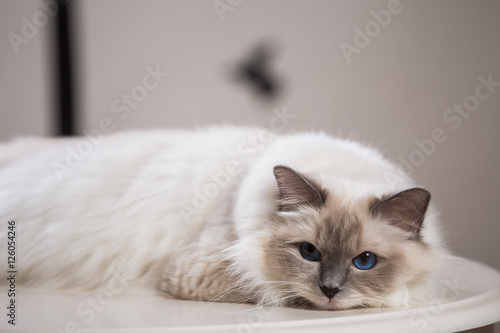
x: 225, y: 213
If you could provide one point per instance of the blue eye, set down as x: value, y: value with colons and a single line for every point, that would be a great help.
x: 309, y: 252
x: 365, y: 260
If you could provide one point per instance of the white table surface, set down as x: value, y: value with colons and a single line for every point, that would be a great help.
x: 470, y: 290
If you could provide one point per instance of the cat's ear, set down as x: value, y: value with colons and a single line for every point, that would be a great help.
x: 405, y: 209
x: 295, y: 190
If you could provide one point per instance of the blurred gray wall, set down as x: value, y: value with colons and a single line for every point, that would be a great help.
x: 25, y: 70
x: 408, y: 77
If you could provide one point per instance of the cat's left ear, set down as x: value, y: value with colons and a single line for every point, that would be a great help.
x: 405, y: 209
x: 295, y: 190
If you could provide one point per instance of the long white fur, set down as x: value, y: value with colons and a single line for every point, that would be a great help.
x: 123, y: 207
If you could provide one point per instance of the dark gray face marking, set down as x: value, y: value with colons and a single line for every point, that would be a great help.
x: 339, y: 239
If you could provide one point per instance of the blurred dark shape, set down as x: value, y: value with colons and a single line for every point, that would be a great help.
x: 255, y: 71
x: 64, y: 69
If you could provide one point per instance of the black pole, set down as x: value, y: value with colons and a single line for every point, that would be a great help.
x: 64, y: 87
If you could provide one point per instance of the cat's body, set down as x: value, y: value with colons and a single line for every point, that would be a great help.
x: 219, y: 214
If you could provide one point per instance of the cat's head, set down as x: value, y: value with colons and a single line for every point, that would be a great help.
x: 332, y: 253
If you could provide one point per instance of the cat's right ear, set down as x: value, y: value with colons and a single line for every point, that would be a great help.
x: 295, y: 190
